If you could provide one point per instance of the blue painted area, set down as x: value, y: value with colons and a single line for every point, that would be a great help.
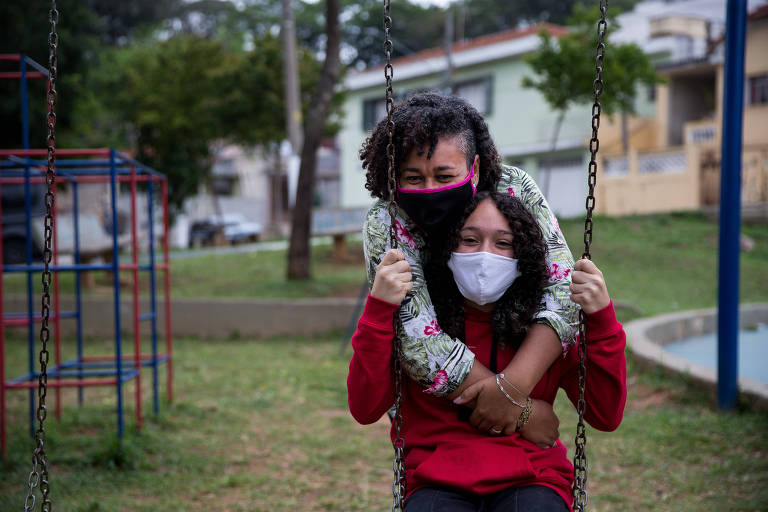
x: 752, y: 357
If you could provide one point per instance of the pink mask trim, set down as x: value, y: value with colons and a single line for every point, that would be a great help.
x: 440, y: 189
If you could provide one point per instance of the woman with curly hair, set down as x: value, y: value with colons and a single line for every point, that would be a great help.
x: 487, y: 278
x: 443, y: 154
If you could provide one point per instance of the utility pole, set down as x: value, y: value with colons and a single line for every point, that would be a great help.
x: 448, y: 50
x: 291, y: 73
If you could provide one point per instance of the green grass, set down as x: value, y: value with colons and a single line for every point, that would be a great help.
x: 263, y: 426
x: 665, y: 263
x: 655, y: 263
x: 258, y: 275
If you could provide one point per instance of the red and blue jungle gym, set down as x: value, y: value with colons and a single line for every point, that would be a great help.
x: 24, y: 169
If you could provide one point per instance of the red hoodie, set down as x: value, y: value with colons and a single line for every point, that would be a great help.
x: 444, y: 450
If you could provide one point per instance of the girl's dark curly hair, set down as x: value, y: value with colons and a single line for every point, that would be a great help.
x: 419, y: 122
x: 515, y: 309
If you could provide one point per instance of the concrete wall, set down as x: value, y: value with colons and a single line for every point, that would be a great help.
x: 637, y: 192
x: 213, y: 318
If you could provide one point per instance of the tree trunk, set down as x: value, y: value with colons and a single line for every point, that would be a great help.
x: 301, y: 224
x: 624, y: 133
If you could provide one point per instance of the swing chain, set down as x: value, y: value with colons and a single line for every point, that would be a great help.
x: 388, y: 73
x: 39, y: 474
x: 580, y: 464
x: 398, y: 465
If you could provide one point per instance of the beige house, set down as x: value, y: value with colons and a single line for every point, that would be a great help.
x: 673, y: 160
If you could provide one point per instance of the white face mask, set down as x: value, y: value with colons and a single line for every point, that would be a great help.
x: 483, y: 277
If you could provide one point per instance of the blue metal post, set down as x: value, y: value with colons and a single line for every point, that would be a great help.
x: 116, y: 278
x: 730, y: 206
x: 30, y: 292
x: 153, y: 291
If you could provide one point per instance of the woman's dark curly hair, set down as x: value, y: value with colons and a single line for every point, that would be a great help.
x: 515, y: 309
x: 419, y: 122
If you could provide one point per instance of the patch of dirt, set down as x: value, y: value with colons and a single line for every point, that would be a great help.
x: 641, y: 397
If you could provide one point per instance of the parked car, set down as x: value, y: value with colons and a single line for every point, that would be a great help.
x: 232, y: 228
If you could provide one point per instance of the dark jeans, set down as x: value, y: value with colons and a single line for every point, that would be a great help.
x: 532, y: 498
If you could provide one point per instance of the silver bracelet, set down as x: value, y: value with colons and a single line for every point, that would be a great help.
x: 510, y: 384
x: 498, y: 383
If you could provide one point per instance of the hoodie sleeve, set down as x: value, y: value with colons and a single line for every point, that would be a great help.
x: 606, y: 371
x: 370, y: 384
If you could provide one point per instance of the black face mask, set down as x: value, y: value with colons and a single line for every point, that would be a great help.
x: 437, y: 210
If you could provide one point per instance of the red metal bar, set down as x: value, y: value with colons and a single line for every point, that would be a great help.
x: 16, y: 57
x: 17, y: 75
x: 24, y: 321
x: 63, y: 383
x: 131, y: 266
x: 167, y: 269
x: 126, y: 357
x: 15, y: 180
x: 136, y: 326
x: 56, y: 303
x: 59, y: 152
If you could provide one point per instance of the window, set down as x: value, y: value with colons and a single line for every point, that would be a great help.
x: 757, y: 90
x: 374, y: 110
x: 478, y: 93
x: 651, y: 93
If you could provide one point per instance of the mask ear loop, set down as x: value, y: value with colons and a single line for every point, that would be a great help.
x: 472, y: 175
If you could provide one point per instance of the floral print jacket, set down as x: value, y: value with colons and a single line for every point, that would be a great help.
x: 431, y: 357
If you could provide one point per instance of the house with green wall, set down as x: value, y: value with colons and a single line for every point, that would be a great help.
x: 487, y: 72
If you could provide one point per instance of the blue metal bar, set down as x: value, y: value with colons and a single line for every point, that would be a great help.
x: 93, y: 373
x: 31, y: 269
x: 35, y: 65
x: 139, y: 165
x: 730, y: 207
x: 128, y: 363
x: 64, y: 314
x: 30, y: 294
x: 153, y: 293
x: 146, y: 316
x: 78, y: 284
x: 116, y: 284
x: 127, y: 375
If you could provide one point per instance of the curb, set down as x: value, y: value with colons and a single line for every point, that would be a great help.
x: 646, y: 338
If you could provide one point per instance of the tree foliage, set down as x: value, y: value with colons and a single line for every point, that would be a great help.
x: 172, y: 101
x: 564, y: 68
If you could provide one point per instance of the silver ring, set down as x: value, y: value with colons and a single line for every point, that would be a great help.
x: 496, y: 431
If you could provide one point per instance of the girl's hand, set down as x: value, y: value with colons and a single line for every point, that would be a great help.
x: 588, y: 288
x: 393, y: 278
x: 493, y: 412
x: 542, y: 428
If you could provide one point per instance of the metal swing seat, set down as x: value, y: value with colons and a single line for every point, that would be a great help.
x: 580, y: 456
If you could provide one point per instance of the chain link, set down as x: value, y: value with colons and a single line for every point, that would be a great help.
x: 398, y: 464
x: 580, y: 464
x: 39, y: 474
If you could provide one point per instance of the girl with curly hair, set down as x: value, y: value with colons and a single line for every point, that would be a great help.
x: 487, y: 278
x: 443, y: 154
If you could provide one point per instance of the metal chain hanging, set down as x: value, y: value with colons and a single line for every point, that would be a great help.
x: 580, y: 456
x: 398, y: 465
x: 39, y: 474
